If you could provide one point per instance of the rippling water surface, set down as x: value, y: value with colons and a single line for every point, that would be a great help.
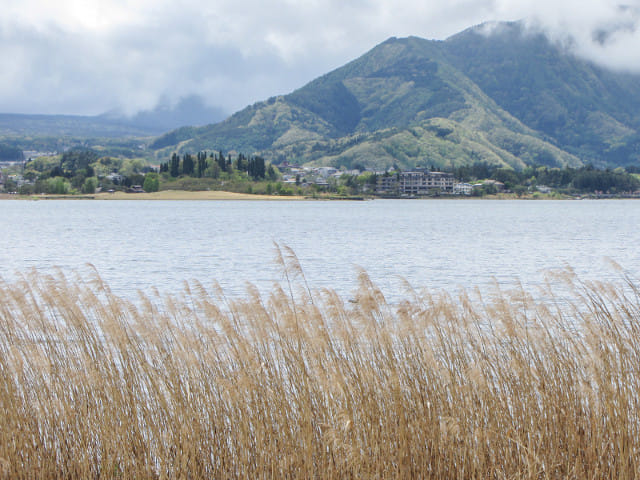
x: 439, y: 244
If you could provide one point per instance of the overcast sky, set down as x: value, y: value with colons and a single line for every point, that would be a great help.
x: 90, y: 56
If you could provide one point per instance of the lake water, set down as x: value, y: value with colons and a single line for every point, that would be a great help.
x: 439, y: 244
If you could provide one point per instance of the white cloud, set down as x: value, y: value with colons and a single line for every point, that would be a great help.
x: 603, y: 31
x: 89, y: 56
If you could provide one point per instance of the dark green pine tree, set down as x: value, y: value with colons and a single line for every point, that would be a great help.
x: 256, y: 167
x: 221, y: 161
x: 175, y: 165
x: 187, y: 164
x: 202, y: 164
x: 242, y: 164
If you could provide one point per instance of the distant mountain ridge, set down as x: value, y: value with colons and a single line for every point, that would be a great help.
x: 191, y: 110
x: 188, y: 111
x: 17, y: 124
x: 506, y: 98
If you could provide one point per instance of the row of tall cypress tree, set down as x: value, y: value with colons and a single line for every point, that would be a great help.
x: 196, y: 166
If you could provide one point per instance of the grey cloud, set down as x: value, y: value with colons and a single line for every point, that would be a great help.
x: 607, y: 34
x: 233, y: 53
x: 236, y: 52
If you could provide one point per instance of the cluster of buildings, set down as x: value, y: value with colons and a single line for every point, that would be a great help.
x: 313, y: 175
x: 413, y: 183
x: 30, y: 154
x: 16, y: 181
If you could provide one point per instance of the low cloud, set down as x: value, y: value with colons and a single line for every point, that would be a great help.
x: 91, y: 56
x: 601, y: 31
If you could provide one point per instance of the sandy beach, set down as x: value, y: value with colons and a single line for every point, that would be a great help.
x: 185, y: 195
x: 163, y: 195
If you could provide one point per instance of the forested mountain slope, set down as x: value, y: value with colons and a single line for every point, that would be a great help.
x: 506, y: 98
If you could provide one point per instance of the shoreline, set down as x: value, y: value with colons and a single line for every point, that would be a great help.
x: 162, y: 195
x: 221, y: 195
x: 188, y: 195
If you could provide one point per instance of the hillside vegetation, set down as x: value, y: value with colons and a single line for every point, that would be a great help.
x: 509, y: 98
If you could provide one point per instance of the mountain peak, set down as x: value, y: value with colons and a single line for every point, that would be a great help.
x: 489, y: 94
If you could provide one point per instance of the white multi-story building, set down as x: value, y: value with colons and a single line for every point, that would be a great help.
x: 416, y: 183
x: 462, y: 189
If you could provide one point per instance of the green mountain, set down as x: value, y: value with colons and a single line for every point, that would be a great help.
x: 588, y: 111
x: 505, y: 98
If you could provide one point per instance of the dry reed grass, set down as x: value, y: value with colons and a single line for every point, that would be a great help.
x: 300, y: 384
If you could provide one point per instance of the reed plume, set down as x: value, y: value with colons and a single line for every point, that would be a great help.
x: 297, y: 383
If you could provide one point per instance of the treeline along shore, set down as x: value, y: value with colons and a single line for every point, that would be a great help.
x: 84, y: 172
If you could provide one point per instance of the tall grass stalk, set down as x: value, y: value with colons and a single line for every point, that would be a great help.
x: 301, y: 384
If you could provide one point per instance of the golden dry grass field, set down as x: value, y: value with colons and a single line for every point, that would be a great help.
x: 184, y: 195
x: 304, y: 384
x: 162, y: 195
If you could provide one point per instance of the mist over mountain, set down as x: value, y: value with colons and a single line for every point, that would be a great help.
x: 505, y: 96
x: 191, y: 110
